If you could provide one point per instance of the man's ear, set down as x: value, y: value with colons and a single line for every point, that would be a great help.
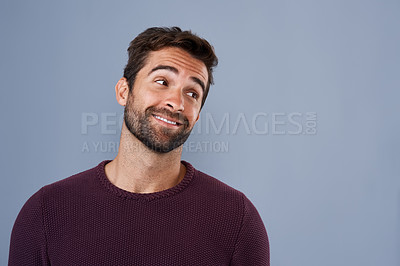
x: 197, y: 119
x: 122, y: 91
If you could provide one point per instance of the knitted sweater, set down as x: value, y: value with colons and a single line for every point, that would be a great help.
x: 86, y: 220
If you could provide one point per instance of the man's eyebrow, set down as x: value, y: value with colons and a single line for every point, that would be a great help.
x: 198, y: 81
x: 170, y: 68
x: 173, y: 69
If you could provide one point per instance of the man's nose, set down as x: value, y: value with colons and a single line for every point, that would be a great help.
x: 175, y: 100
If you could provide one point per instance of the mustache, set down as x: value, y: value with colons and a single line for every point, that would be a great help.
x: 163, y: 111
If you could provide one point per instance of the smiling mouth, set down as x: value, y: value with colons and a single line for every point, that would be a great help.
x: 167, y: 121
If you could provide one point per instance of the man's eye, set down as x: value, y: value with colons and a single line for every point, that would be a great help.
x: 193, y: 94
x: 162, y: 82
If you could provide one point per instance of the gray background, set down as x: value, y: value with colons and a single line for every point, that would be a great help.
x: 327, y: 198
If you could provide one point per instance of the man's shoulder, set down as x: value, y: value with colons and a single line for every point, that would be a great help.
x: 78, y: 182
x: 214, y: 183
x: 215, y: 188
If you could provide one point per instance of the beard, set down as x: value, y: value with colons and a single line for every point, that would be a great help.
x: 157, y: 138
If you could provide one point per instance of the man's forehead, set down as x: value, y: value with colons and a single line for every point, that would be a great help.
x: 179, y: 59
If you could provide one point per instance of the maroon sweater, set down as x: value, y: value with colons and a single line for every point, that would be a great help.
x: 86, y: 220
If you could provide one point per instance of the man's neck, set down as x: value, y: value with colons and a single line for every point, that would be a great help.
x: 138, y: 169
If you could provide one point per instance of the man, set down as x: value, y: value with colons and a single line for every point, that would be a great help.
x: 146, y: 207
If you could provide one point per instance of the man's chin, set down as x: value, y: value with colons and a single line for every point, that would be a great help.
x: 160, y: 148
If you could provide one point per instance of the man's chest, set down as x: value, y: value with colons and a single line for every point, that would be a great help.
x: 141, y: 238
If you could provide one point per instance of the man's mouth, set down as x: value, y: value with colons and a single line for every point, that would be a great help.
x: 167, y: 121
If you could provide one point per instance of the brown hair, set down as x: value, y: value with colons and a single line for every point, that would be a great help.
x: 154, y: 39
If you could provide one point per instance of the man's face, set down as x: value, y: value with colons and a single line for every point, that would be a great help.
x: 166, y: 99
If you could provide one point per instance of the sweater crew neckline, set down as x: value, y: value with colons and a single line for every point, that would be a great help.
x: 144, y: 196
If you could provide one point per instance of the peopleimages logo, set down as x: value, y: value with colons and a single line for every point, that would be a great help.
x: 260, y: 123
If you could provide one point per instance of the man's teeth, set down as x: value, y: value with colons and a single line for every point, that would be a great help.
x: 165, y: 120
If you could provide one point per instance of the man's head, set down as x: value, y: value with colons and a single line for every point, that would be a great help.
x: 157, y: 38
x: 164, y: 86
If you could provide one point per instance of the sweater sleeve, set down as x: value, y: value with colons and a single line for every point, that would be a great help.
x: 252, y: 245
x: 28, y: 240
